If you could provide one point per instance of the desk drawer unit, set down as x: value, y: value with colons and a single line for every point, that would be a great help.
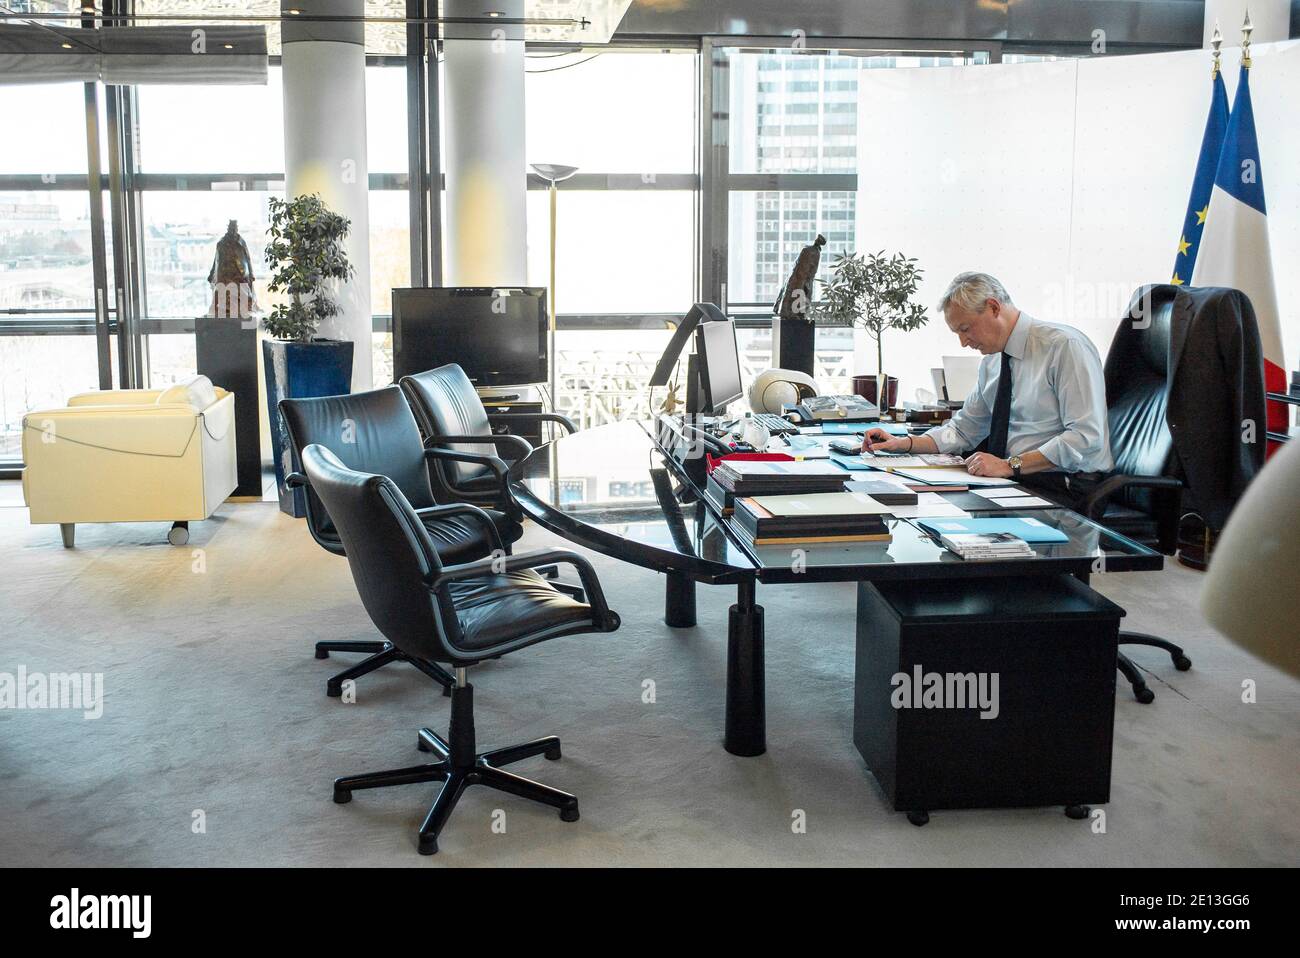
x: 986, y: 693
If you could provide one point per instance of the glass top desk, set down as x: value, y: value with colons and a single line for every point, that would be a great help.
x: 618, y: 490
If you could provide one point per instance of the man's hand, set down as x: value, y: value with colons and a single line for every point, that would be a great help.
x: 984, y: 464
x: 880, y: 441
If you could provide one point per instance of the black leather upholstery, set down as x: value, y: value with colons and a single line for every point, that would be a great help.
x: 492, y: 608
x: 428, y: 611
x: 447, y: 404
x: 1137, y: 397
x: 375, y: 432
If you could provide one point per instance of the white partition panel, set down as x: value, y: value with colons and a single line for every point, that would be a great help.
x: 1067, y: 180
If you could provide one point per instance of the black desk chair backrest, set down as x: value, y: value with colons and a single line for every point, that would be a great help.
x: 393, y: 561
x: 1137, y: 398
x: 372, y: 432
x: 447, y: 404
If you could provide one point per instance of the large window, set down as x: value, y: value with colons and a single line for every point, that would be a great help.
x: 626, y: 231
x: 47, y: 350
x: 789, y: 121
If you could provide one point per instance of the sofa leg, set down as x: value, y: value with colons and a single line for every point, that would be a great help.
x: 69, y: 532
x: 179, y: 534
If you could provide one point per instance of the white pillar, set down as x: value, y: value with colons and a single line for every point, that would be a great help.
x: 483, y: 90
x: 325, y: 149
x: 1271, y: 18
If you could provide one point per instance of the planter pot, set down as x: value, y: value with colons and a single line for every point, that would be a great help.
x: 322, y: 367
x: 865, y: 386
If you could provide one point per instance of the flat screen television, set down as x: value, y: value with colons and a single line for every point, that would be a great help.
x: 497, y: 334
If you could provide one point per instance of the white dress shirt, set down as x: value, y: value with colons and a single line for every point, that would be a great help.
x: 1058, y: 400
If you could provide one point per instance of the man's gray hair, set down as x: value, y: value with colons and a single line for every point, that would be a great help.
x: 972, y: 291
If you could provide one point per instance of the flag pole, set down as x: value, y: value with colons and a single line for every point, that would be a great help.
x: 1216, y: 42
x: 1246, y: 29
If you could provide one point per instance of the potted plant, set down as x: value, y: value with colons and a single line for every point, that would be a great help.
x: 874, y: 291
x: 308, y: 259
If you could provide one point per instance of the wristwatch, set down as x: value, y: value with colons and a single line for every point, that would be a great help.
x: 1014, y: 462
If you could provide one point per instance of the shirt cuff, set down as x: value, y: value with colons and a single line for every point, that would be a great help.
x: 1060, y: 454
x: 947, y: 438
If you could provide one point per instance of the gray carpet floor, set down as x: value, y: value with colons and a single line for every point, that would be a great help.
x: 215, y: 713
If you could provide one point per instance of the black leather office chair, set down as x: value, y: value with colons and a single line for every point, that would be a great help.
x: 375, y: 432
x: 470, y: 460
x: 1142, y: 499
x: 455, y: 614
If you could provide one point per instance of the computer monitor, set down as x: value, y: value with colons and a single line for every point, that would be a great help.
x: 960, y: 374
x: 496, y: 334
x: 718, y: 367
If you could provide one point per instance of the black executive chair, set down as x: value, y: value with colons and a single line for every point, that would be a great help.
x: 456, y: 614
x: 1142, y: 499
x: 470, y: 460
x: 375, y: 432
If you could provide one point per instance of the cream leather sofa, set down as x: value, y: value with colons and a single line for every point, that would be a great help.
x: 131, y: 455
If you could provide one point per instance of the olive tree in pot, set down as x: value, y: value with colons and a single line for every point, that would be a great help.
x: 308, y: 261
x: 874, y: 292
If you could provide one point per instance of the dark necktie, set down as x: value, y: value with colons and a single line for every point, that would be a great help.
x: 997, y: 441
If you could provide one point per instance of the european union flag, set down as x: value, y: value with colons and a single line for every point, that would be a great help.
x: 1198, y: 204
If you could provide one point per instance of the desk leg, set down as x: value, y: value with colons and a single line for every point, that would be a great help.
x: 679, y: 601
x: 746, y: 709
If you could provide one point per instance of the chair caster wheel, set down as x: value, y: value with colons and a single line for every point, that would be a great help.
x: 178, y: 535
x: 333, y: 691
x: 428, y: 846
x: 1077, y: 811
x: 1144, y: 695
x: 342, y: 796
x: 1182, y: 663
x: 569, y: 814
x: 918, y: 818
x: 322, y: 653
x: 553, y: 754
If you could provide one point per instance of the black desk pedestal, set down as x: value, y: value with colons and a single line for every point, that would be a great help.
x: 1051, y: 644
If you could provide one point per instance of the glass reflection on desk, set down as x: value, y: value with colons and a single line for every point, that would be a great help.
x: 613, y: 480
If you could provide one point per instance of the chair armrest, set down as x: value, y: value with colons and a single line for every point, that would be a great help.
x: 555, y: 417
x: 296, y: 480
x: 606, y: 619
x: 499, y: 469
x: 1168, y: 489
x: 522, y: 446
x: 465, y: 509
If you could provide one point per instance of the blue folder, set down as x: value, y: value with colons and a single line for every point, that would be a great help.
x: 860, y: 428
x: 851, y: 463
x: 1031, y: 530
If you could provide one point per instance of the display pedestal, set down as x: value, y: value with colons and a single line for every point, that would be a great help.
x: 227, y: 354
x: 795, y: 342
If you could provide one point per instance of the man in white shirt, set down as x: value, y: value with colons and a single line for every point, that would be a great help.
x: 1038, y: 410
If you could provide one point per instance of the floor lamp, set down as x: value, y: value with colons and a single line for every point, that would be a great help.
x: 553, y: 173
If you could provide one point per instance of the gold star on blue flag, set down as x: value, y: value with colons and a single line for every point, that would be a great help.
x: 1198, y: 204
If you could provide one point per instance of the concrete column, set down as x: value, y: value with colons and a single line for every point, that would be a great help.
x: 483, y: 77
x: 1272, y: 20
x: 325, y: 148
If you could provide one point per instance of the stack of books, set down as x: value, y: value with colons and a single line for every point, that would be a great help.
x: 986, y: 545
x: 750, y: 478
x: 820, y: 517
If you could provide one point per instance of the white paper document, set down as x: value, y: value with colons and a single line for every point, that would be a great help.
x: 1001, y: 492
x: 1024, y: 502
x: 929, y: 505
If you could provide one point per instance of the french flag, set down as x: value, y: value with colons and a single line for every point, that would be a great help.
x: 1234, y: 245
